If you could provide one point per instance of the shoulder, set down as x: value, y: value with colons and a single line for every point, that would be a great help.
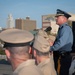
x: 31, y: 70
x: 73, y: 62
x: 48, y: 70
x: 47, y: 66
x: 66, y: 28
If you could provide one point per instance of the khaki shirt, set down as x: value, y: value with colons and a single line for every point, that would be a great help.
x: 27, y: 68
x: 47, y: 67
x: 52, y: 38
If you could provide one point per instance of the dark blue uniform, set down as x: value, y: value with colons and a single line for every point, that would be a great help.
x: 62, y: 48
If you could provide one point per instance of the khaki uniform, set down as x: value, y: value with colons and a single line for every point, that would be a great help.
x: 42, y: 44
x: 52, y: 38
x: 19, y: 38
x: 47, y: 67
x: 27, y: 68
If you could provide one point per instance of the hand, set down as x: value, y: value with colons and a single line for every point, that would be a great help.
x: 51, y: 43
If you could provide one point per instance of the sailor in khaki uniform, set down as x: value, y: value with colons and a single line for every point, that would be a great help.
x: 17, y: 49
x: 41, y: 48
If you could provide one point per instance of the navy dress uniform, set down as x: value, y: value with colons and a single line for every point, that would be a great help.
x: 20, y: 38
x: 63, y: 45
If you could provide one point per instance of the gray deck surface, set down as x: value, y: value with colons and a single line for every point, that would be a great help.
x: 5, y: 68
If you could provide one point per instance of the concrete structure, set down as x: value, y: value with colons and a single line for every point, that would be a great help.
x: 25, y: 24
x: 10, y: 21
x: 5, y: 68
x: 72, y: 18
x: 49, y: 20
x: 3, y: 57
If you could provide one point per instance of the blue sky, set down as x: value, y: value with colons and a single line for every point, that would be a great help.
x: 33, y: 8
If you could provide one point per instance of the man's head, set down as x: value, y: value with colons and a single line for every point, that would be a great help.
x: 16, y: 44
x: 61, y: 17
x: 41, y: 46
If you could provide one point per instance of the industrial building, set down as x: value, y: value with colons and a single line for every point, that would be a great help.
x: 25, y: 24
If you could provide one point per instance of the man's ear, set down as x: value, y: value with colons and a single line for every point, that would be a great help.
x: 34, y: 52
x: 30, y: 50
x: 7, y: 53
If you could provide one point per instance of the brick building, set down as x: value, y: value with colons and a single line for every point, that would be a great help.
x: 25, y: 24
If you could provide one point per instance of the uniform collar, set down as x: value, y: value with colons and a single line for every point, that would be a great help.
x: 44, y: 62
x: 61, y: 26
x: 25, y: 63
